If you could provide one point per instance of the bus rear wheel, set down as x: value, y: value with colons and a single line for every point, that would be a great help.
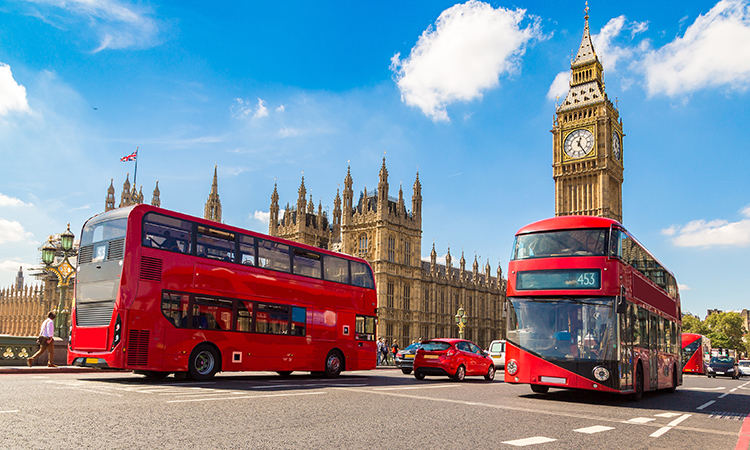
x: 638, y: 387
x: 539, y: 389
x: 334, y: 364
x: 203, y: 364
x: 155, y: 375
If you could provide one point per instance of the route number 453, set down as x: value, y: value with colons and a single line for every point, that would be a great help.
x: 587, y: 279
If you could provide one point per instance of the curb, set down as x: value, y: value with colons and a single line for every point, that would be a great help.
x: 44, y: 369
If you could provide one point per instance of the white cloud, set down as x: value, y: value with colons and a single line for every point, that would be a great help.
x: 684, y: 287
x: 715, y: 51
x: 12, y: 231
x: 261, y: 111
x: 470, y: 46
x: 717, y: 232
x: 11, y: 266
x: 12, y: 94
x: 280, y: 109
x: 262, y: 216
x: 12, y: 201
x: 115, y: 24
x: 243, y: 108
x: 560, y: 86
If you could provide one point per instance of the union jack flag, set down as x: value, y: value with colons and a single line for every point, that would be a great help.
x: 130, y: 157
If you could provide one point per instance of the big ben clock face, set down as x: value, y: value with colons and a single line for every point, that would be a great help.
x: 616, y: 151
x: 579, y: 144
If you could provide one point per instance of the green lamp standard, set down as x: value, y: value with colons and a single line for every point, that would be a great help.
x: 461, y: 320
x: 63, y: 270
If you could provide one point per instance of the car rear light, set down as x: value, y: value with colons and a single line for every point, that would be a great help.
x: 399, y: 355
x: 451, y: 352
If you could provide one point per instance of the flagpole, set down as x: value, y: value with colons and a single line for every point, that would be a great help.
x: 135, y: 174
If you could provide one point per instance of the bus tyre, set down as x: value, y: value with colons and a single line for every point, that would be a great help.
x: 419, y: 375
x: 460, y: 373
x: 284, y: 373
x: 203, y: 364
x: 674, y: 380
x: 490, y: 373
x: 334, y: 364
x: 539, y: 389
x: 638, y: 386
x: 155, y: 375
x: 406, y: 371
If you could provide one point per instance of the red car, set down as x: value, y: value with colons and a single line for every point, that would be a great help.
x: 455, y: 358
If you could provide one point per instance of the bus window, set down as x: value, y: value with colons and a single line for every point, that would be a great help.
x: 247, y: 250
x: 244, y: 316
x: 272, y: 255
x: 272, y: 319
x: 175, y: 308
x: 214, y: 243
x: 361, y: 275
x: 364, y: 328
x: 103, y: 231
x: 306, y: 263
x: 336, y: 269
x: 298, y: 321
x: 212, y: 313
x: 167, y: 233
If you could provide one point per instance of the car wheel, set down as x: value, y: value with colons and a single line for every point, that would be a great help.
x: 203, y: 364
x: 334, y: 364
x: 539, y: 389
x: 406, y: 371
x: 490, y: 373
x: 419, y: 375
x: 460, y: 373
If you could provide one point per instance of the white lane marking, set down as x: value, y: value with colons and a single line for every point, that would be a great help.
x: 704, y: 389
x: 89, y: 390
x: 403, y: 388
x: 11, y: 411
x: 724, y: 395
x: 640, y: 420
x: 667, y: 415
x: 530, y: 441
x: 669, y: 426
x: 594, y: 429
x: 245, y: 397
x: 706, y: 405
x: 732, y: 390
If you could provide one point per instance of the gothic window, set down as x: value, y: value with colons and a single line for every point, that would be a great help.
x: 389, y: 332
x: 426, y: 306
x: 442, y: 302
x: 391, y: 249
x: 362, y: 252
x: 407, y: 296
x: 390, y: 288
x: 405, y: 334
x: 407, y: 252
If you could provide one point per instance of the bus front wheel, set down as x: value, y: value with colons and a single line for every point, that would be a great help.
x: 539, y: 389
x: 334, y: 364
x: 203, y: 364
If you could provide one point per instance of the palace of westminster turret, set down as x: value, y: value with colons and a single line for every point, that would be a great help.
x: 419, y: 299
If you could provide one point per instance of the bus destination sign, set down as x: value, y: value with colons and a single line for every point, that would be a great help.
x: 558, y: 279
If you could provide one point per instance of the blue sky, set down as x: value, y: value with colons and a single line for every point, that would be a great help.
x: 463, y: 93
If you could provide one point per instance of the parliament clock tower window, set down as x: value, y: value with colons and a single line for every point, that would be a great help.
x: 587, y: 142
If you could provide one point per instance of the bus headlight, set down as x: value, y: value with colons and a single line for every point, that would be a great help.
x: 511, y: 367
x: 601, y: 373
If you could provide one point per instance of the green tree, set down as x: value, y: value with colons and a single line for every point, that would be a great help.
x: 726, y: 330
x: 693, y: 324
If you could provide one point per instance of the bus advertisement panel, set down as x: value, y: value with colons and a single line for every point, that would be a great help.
x: 590, y: 308
x: 160, y: 292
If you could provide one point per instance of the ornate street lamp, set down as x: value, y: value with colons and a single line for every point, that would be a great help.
x: 63, y: 270
x: 461, y: 320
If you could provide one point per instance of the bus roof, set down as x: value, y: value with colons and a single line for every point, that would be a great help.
x: 568, y: 222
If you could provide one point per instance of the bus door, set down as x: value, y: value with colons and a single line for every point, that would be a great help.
x: 653, y: 351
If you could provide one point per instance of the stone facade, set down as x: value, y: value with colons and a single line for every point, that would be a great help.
x: 416, y: 299
x: 587, y: 142
x: 129, y: 196
x: 212, y: 210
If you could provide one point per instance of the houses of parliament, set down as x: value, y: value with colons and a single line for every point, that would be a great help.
x: 419, y: 299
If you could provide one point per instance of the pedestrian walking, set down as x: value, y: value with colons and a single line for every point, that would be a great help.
x: 380, y: 350
x: 394, y: 350
x: 46, y: 341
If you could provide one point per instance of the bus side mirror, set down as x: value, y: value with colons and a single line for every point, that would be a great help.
x: 622, y: 304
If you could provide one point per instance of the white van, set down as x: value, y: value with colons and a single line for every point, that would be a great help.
x: 497, y: 352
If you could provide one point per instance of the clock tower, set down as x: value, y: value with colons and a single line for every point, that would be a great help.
x: 587, y: 142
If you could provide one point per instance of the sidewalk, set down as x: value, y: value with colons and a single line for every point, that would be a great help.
x: 44, y: 369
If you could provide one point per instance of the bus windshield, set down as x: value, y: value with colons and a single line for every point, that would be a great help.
x: 689, y: 350
x: 564, y: 328
x: 584, y: 242
x: 103, y: 231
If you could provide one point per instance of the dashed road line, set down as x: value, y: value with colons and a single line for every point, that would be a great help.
x: 705, y: 405
x: 245, y: 397
x: 594, y: 429
x: 640, y: 420
x: 529, y: 441
x: 406, y: 388
x: 669, y: 426
x: 10, y: 411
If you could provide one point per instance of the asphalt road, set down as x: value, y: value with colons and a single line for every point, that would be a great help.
x: 375, y: 409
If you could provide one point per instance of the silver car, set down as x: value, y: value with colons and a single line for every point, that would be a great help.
x: 497, y: 352
x: 745, y: 367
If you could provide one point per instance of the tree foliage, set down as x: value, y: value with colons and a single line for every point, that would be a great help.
x: 726, y: 329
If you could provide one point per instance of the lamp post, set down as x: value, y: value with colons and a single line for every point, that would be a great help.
x: 63, y: 270
x: 461, y: 320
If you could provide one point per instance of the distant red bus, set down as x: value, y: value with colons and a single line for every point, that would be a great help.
x: 590, y: 308
x: 696, y: 352
x: 159, y: 292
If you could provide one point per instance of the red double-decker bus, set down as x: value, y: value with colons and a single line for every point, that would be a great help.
x: 160, y: 292
x: 696, y: 351
x: 590, y: 308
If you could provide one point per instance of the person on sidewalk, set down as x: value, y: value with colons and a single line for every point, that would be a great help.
x: 46, y: 341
